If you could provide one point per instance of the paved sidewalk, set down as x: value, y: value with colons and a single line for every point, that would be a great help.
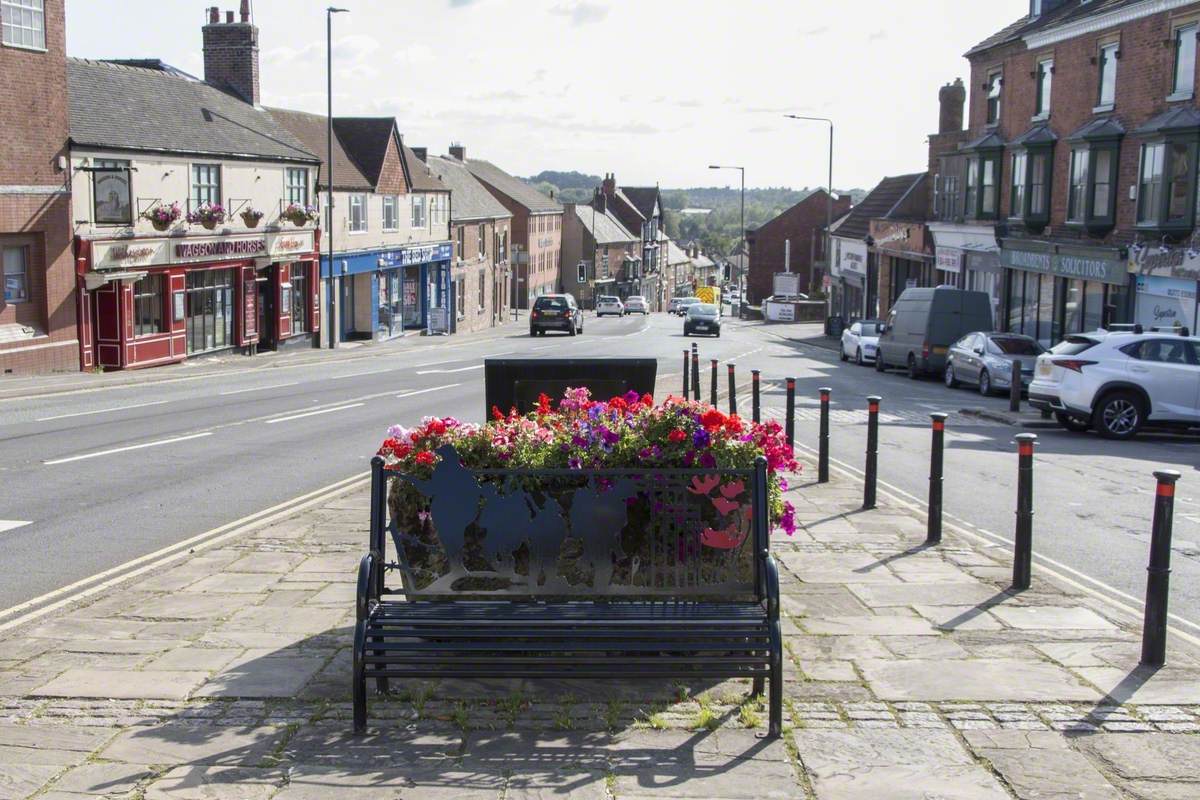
x: 911, y: 673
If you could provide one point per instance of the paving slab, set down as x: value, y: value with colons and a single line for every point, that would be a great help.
x: 1039, y: 765
x: 307, y: 782
x: 1160, y: 766
x: 185, y: 743
x: 727, y: 766
x: 261, y: 673
x: 869, y: 625
x: 189, y: 606
x: 995, y: 679
x: 235, y: 583
x: 217, y: 783
x: 22, y: 780
x: 102, y: 779
x: 1052, y: 618
x: 123, y: 684
x: 907, y: 594
x: 1145, y: 685
x: 958, y: 618
x: 203, y: 659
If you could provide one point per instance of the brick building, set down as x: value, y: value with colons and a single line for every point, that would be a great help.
x: 598, y: 251
x: 1081, y: 149
x: 639, y: 209
x: 480, y: 228
x: 38, y: 306
x: 789, y: 242
x: 536, y: 228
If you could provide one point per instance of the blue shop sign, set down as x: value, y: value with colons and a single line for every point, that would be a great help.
x: 422, y: 254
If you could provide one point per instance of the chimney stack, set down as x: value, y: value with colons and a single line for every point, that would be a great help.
x: 420, y: 152
x: 609, y: 187
x: 952, y: 97
x: 600, y: 202
x: 458, y: 151
x: 231, y: 54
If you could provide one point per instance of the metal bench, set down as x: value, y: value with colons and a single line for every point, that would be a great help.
x: 584, y: 574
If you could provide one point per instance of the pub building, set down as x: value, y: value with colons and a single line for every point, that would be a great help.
x: 182, y: 194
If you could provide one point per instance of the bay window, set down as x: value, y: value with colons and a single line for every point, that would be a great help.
x: 1092, y: 182
x: 1167, y: 185
x: 972, y: 186
x: 1019, y: 176
x: 1039, y: 184
x: 1077, y: 193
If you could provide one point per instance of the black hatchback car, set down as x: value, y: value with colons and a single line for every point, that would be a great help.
x: 555, y: 312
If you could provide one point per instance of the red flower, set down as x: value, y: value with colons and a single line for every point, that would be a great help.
x: 497, y: 414
x: 401, y: 450
x: 712, y: 420
x: 618, y: 404
x: 647, y: 401
x: 676, y: 435
x: 733, y: 424
x: 425, y: 457
x: 435, y: 427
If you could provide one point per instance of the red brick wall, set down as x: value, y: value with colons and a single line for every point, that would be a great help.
x: 391, y: 174
x: 33, y: 118
x: 1144, y: 78
x: 467, y: 265
x: 802, y: 224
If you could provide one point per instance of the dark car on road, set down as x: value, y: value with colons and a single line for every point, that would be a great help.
x: 923, y: 323
x: 555, y: 312
x: 985, y: 360
x: 702, y: 318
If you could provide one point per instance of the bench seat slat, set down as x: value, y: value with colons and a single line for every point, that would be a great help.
x: 556, y: 648
x: 390, y: 632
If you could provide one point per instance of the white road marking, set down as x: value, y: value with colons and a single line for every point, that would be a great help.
x: 448, y: 371
x: 102, y: 410
x: 172, y: 440
x: 13, y: 524
x: 313, y: 413
x: 431, y: 389
x: 259, y: 388
x: 360, y: 374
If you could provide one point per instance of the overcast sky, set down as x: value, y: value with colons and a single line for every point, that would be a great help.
x: 653, y: 90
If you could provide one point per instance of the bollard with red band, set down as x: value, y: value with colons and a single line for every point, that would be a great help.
x: 685, y: 374
x: 695, y: 373
x: 823, y: 437
x: 1014, y: 387
x: 713, y: 399
x: 790, y: 420
x: 933, y: 526
x: 733, y: 391
x: 872, y: 451
x: 754, y: 395
x: 1023, y: 535
x: 1158, y: 573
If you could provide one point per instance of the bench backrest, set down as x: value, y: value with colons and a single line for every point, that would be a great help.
x: 621, y: 533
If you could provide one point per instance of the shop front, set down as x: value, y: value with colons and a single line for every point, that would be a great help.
x: 847, y: 279
x: 1054, y: 290
x: 967, y: 257
x: 157, y: 301
x: 905, y: 257
x: 1166, y: 288
x: 386, y: 293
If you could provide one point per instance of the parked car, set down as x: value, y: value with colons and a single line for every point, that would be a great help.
x: 922, y: 325
x: 683, y: 303
x: 1120, y: 382
x: 636, y: 304
x: 555, y: 312
x: 609, y: 304
x: 860, y: 340
x: 702, y: 318
x: 985, y: 360
x: 673, y: 306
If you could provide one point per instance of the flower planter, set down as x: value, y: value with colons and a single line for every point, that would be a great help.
x: 209, y: 224
x: 160, y: 225
x: 250, y: 221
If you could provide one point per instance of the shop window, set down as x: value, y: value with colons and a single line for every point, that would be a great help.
x: 209, y: 315
x: 418, y: 211
x: 1167, y: 185
x: 16, y: 274
x: 23, y: 23
x: 994, y: 83
x: 300, y: 297
x: 358, y: 213
x: 1184, y: 82
x: 1044, y: 77
x: 148, y: 303
x: 480, y: 293
x: 391, y: 219
x: 297, y: 185
x: 206, y: 185
x: 1106, y: 62
x: 110, y: 192
x: 482, y: 241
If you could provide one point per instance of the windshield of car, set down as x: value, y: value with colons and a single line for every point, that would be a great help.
x: 1015, y: 346
x: 637, y: 298
x: 557, y: 303
x: 1073, y: 345
x: 871, y: 327
x: 604, y: 299
x: 702, y: 310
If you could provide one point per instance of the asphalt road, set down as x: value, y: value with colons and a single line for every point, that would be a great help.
x: 103, y: 476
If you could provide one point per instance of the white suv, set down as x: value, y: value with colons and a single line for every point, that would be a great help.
x: 1118, y: 382
x: 608, y: 304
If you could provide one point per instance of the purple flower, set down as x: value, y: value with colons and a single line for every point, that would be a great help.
x: 610, y: 437
x: 788, y: 520
x: 701, y: 438
x: 783, y: 484
x: 632, y: 397
x: 707, y: 460
x: 574, y: 462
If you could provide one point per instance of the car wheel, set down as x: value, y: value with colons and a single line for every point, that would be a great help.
x: 1119, y: 415
x: 1070, y: 423
x: 985, y: 383
x: 879, y: 365
x: 951, y: 381
x: 842, y: 353
x: 913, y: 372
x: 858, y: 357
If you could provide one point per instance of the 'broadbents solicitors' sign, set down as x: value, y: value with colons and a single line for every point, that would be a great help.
x: 1088, y: 268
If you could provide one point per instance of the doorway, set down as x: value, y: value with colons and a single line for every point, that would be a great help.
x: 267, y: 330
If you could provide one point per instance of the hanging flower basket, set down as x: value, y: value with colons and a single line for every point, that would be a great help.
x: 210, y: 215
x: 163, y: 217
x: 299, y: 215
x: 251, y: 217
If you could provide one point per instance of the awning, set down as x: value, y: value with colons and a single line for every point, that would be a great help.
x: 94, y: 280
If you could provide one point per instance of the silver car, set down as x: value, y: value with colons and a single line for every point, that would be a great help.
x: 985, y: 360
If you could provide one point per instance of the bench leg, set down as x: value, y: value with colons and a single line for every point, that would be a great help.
x: 359, y: 678
x: 381, y: 684
x: 759, y: 687
x: 776, y: 699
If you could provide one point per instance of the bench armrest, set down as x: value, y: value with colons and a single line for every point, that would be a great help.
x: 365, y: 594
x: 770, y: 571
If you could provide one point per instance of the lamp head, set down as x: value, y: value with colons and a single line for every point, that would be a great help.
x: 333, y: 10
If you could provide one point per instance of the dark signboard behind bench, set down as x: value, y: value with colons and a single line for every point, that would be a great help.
x: 510, y: 382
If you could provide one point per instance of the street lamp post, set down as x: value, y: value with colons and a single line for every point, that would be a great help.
x: 331, y: 317
x: 742, y: 247
x: 828, y: 194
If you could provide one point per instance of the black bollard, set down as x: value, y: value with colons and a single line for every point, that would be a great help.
x: 823, y: 438
x: 872, y: 451
x: 933, y: 526
x: 754, y: 395
x: 790, y: 420
x: 1014, y: 388
x: 732, y: 390
x: 695, y: 373
x: 685, y: 374
x: 713, y: 392
x: 1023, y: 539
x: 1158, y: 573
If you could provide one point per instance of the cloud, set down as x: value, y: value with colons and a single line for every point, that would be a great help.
x: 877, y: 35
x: 817, y: 31
x: 581, y: 12
x: 414, y: 54
x: 462, y: 3
x: 351, y: 49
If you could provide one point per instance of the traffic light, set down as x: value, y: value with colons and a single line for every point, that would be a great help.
x: 582, y: 269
